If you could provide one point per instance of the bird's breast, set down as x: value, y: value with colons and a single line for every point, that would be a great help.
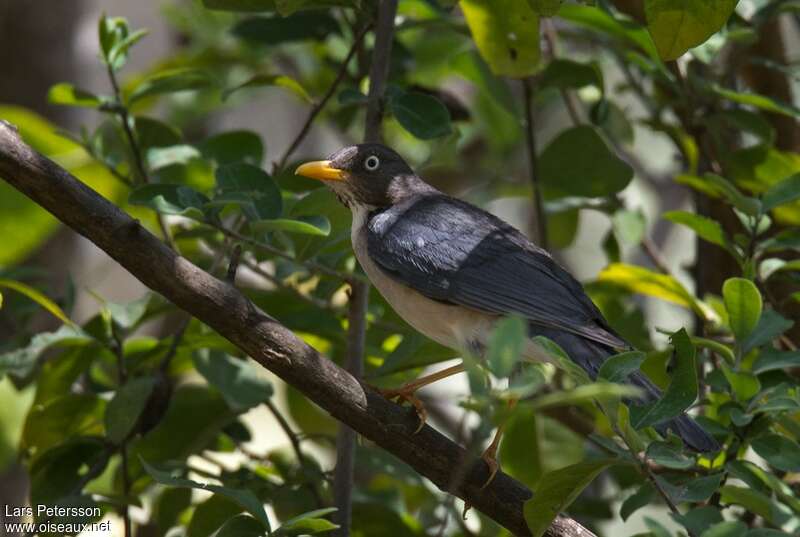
x: 452, y: 326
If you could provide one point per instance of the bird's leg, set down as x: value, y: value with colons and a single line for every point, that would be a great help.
x: 407, y: 392
x: 489, y: 455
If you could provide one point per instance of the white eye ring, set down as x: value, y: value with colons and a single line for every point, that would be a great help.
x: 371, y: 163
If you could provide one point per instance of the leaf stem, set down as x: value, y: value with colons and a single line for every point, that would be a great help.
x: 124, y: 115
x: 533, y: 164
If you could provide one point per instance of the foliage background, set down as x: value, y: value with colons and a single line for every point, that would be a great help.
x: 623, y: 144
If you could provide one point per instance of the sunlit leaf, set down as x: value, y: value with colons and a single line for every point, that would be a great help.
x: 678, y: 25
x: 67, y: 94
x: 37, y: 297
x: 280, y: 81
x: 743, y: 303
x: 506, y: 33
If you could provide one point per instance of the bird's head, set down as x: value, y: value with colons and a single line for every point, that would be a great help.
x: 370, y: 175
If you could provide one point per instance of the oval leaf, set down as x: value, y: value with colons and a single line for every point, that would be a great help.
x: 578, y: 162
x: 743, y: 303
x: 422, y: 115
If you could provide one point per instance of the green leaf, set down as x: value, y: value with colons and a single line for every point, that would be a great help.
x: 566, y: 74
x: 211, y: 514
x: 69, y: 416
x: 170, y: 199
x: 669, y: 456
x: 678, y: 25
x: 128, y: 315
x: 587, y: 393
x: 118, y: 54
x: 597, y: 172
x: 694, y: 490
x: 242, y: 384
x: 556, y: 490
x: 111, y: 32
x: 745, y: 385
x: 641, y: 280
x: 251, y: 188
x: 316, y: 25
x: 171, y: 81
x: 753, y: 501
x: 241, y: 526
x: 506, y: 33
x: 781, y: 193
x: 768, y: 360
x: 280, y: 81
x: 605, y: 22
x: 66, y: 94
x: 245, y: 498
x: 770, y: 326
x: 422, y: 115
x: 545, y: 8
x: 642, y: 497
x: 505, y: 345
x: 706, y: 228
x: 20, y: 362
x: 778, y: 451
x: 124, y: 409
x: 37, y: 297
x: 629, y: 226
x: 761, y: 102
x: 306, y: 225
x: 743, y: 304
x: 682, y: 389
x: 619, y: 367
x: 233, y: 146
x: 699, y: 519
x: 728, y: 528
x: 719, y: 187
x: 520, y: 450
x: 161, y: 157
x: 310, y: 523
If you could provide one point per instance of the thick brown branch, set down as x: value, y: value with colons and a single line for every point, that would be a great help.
x: 225, y: 309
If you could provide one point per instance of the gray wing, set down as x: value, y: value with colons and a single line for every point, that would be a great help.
x: 454, y: 252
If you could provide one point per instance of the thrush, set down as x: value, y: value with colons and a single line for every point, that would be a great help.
x: 452, y: 270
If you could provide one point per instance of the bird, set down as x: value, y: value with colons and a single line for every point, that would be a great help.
x: 452, y: 270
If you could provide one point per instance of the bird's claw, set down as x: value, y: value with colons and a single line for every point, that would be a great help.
x: 401, y: 395
x: 490, y: 458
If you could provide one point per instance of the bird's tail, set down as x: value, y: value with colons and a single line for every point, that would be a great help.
x: 590, y: 356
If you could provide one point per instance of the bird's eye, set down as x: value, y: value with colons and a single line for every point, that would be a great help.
x: 371, y: 163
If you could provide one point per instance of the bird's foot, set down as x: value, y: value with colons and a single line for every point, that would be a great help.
x: 407, y: 394
x: 490, y: 458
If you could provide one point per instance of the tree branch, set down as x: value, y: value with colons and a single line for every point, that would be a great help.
x: 232, y: 315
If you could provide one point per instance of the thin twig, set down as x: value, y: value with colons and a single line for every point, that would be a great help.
x: 533, y: 164
x: 359, y: 289
x: 122, y: 111
x: 317, y: 108
x: 268, y: 248
x: 295, y: 441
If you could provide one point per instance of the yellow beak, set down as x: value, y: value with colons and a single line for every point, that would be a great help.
x: 321, y: 170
